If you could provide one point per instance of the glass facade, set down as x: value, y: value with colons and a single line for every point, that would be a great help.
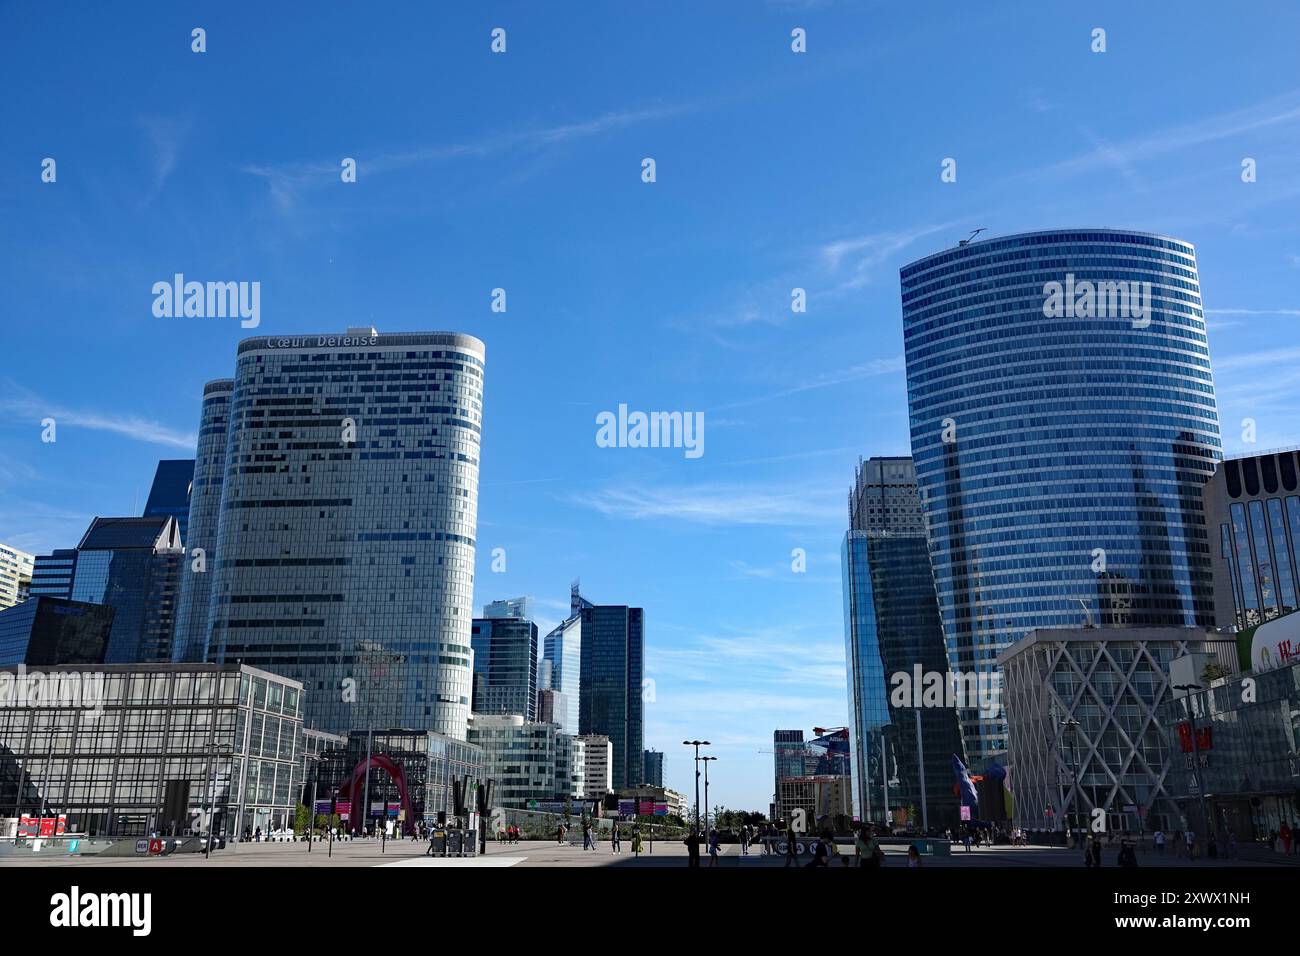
x: 133, y: 566
x: 15, y: 575
x: 1252, y: 507
x: 610, y: 700
x: 45, y: 631
x: 1060, y: 459
x: 505, y: 666
x: 345, y: 548
x: 170, y: 493
x: 525, y: 761
x: 204, y: 517
x: 224, y: 737
x: 1246, y: 749
x: 562, y: 666
x: 892, y: 628
x: 654, y: 768
x: 52, y: 573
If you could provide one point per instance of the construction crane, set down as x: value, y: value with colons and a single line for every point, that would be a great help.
x: 967, y: 240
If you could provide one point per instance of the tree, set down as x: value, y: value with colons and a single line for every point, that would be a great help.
x: 1214, y: 671
x: 301, y: 819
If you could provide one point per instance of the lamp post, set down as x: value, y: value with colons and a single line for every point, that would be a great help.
x: 1211, y: 829
x: 1074, y: 765
x: 316, y: 760
x: 697, y: 744
x: 706, y: 791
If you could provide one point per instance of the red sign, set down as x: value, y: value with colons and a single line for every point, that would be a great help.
x: 1204, y: 738
x: 155, y: 847
x: 42, y: 826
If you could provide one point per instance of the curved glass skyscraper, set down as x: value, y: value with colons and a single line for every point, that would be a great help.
x: 1063, y: 422
x: 344, y: 553
x: 205, y: 508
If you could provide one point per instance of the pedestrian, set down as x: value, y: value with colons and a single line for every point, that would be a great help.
x: 791, y: 846
x: 713, y: 847
x: 1287, y: 835
x: 913, y: 857
x: 614, y: 846
x: 1191, y: 844
x: 636, y: 841
x: 965, y: 837
x: 692, y: 842
x: 744, y: 840
x: 1159, y: 840
x: 1127, y: 858
x: 820, y: 855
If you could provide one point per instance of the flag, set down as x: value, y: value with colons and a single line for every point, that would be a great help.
x: 964, y: 784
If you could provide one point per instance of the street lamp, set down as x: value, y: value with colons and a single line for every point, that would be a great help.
x: 1196, y: 755
x: 1074, y: 766
x: 316, y: 760
x: 697, y: 744
x: 706, y: 791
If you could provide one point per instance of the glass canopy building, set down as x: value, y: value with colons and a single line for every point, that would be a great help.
x: 1063, y: 422
x: 344, y: 549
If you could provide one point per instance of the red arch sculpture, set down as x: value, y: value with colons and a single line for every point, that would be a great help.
x: 395, y: 771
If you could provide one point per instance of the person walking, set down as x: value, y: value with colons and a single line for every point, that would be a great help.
x: 1159, y: 840
x: 692, y: 842
x: 1191, y: 844
x: 614, y: 845
x: 1287, y: 835
x: 744, y: 840
x: 791, y: 847
x: 913, y: 857
x: 713, y: 848
x: 636, y: 841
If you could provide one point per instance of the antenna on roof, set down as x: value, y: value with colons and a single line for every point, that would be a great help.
x: 967, y: 240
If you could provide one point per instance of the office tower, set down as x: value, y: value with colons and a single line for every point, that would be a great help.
x: 505, y: 666
x: 170, y: 493
x: 552, y: 706
x: 1252, y: 512
x: 1062, y: 422
x: 133, y: 566
x: 526, y: 761
x: 891, y: 627
x: 45, y: 631
x: 812, y: 774
x: 205, y: 512
x: 654, y: 768
x: 562, y: 659
x: 613, y: 648
x: 15, y: 574
x: 520, y: 607
x: 344, y: 555
x: 52, y: 573
x: 598, y: 756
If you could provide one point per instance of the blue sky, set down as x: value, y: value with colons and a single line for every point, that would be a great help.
x: 522, y: 171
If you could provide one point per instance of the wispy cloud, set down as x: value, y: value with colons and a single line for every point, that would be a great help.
x: 857, y: 259
x: 1252, y: 311
x: 165, y: 137
x: 287, y: 181
x: 853, y: 373
x: 25, y: 405
x: 717, y: 504
x: 1278, y: 111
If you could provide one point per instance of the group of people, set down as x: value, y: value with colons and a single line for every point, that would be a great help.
x: 509, y: 834
x: 589, y: 837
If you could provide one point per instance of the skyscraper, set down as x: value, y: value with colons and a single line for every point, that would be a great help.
x: 52, y: 573
x: 505, y: 666
x: 891, y: 627
x: 170, y: 492
x: 613, y: 648
x: 15, y: 575
x: 205, y: 514
x: 344, y: 554
x: 133, y: 566
x: 520, y: 607
x: 1062, y: 421
x: 561, y: 673
x: 654, y: 768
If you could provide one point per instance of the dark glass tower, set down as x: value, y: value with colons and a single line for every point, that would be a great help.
x: 1061, y: 439
x: 505, y: 666
x: 170, y: 493
x: 133, y: 566
x: 205, y: 512
x: 892, y: 628
x: 613, y: 648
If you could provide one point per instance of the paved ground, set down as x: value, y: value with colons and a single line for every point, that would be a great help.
x: 543, y: 854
